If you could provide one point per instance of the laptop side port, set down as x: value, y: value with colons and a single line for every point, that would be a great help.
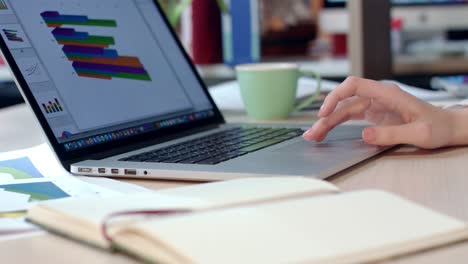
x: 130, y: 172
x: 102, y: 170
x: 85, y: 170
x: 115, y: 171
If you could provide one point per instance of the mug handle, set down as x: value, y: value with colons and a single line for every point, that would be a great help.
x: 313, y: 97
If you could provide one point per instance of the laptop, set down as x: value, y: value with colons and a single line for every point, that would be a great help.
x: 116, y: 95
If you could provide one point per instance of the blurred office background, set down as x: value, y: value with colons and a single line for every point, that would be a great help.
x: 428, y: 38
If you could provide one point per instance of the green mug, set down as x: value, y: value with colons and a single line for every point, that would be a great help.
x: 269, y: 89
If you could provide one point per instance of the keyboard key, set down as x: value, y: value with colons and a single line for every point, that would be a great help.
x: 213, y: 161
x: 194, y: 160
x: 157, y: 159
x: 176, y: 159
x: 261, y: 145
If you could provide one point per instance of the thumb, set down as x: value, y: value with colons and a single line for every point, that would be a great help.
x: 412, y: 133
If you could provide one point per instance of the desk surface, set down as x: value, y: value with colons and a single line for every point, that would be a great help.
x: 436, y: 179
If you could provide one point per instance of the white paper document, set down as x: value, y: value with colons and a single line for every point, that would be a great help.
x: 114, y: 185
x: 12, y: 201
x: 34, y: 175
x: 423, y: 94
x: 31, y: 176
x: 15, y: 226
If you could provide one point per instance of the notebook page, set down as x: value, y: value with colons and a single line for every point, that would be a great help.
x: 352, y: 227
x: 195, y: 196
x: 82, y: 218
x: 242, y: 191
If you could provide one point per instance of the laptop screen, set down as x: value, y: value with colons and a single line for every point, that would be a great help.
x: 102, y: 70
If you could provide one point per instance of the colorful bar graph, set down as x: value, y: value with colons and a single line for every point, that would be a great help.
x: 91, y: 56
x: 12, y: 35
x: 3, y: 5
x: 52, y: 107
x: 55, y: 19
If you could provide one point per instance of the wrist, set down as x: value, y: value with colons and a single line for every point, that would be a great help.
x: 459, y: 126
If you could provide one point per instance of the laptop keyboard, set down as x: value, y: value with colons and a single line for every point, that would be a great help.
x: 218, y: 147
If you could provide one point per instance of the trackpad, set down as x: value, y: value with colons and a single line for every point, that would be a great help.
x: 330, y: 146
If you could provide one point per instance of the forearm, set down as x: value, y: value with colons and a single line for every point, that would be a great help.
x: 459, y: 126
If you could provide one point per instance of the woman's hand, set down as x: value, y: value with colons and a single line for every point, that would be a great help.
x: 400, y: 118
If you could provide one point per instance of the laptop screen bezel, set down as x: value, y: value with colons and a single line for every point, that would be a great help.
x: 112, y: 147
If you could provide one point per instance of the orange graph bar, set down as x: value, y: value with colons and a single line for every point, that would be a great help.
x: 54, y: 25
x: 120, y: 61
x: 94, y: 76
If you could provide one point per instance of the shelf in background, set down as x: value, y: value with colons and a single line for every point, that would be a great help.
x: 406, y: 65
x: 328, y: 68
x: 339, y: 68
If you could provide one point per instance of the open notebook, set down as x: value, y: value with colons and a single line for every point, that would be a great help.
x: 256, y: 220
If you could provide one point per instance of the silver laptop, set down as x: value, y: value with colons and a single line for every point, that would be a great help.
x: 117, y: 96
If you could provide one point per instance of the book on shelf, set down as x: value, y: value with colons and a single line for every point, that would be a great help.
x: 206, y: 32
x: 254, y: 220
x: 241, y: 32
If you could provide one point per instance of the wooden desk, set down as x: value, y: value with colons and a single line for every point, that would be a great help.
x: 437, y: 179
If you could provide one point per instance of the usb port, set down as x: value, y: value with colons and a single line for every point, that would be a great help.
x: 102, y: 170
x: 85, y: 170
x: 130, y: 172
x: 115, y: 171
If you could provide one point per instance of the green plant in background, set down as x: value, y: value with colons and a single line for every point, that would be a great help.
x: 175, y: 8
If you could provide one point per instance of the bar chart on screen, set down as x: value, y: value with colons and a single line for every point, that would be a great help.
x: 5, y: 8
x: 12, y: 35
x: 52, y: 106
x: 96, y: 55
x: 3, y: 5
x: 51, y: 103
x: 91, y: 55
